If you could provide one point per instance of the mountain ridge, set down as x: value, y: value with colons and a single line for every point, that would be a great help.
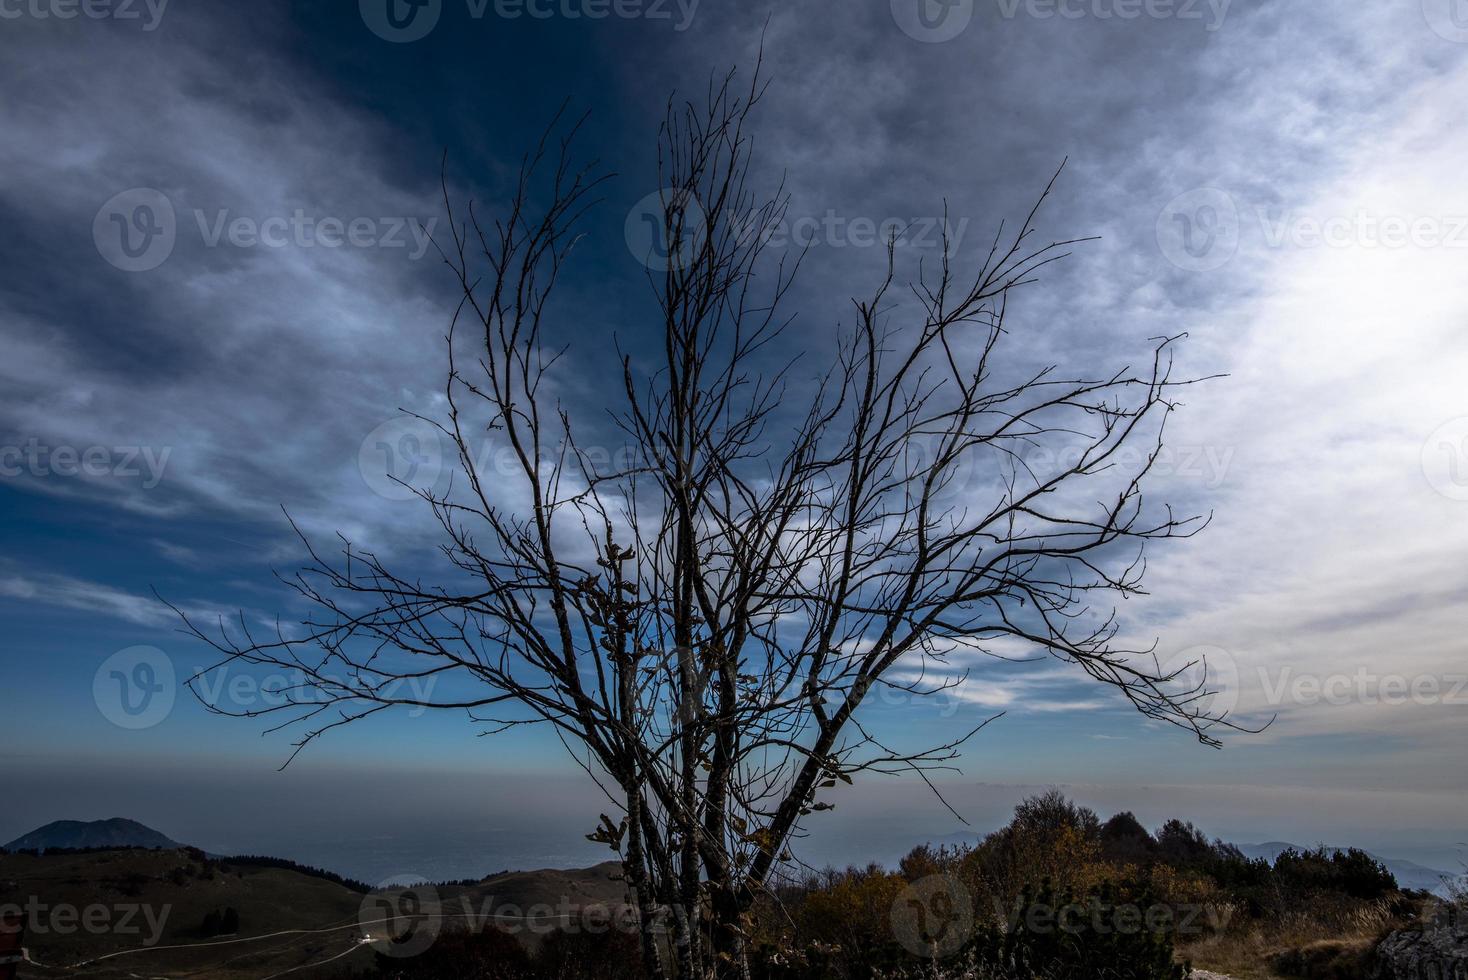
x: 112, y: 832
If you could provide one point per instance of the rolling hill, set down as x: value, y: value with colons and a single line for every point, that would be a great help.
x: 149, y: 908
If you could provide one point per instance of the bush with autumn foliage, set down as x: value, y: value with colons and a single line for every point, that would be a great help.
x: 1061, y: 894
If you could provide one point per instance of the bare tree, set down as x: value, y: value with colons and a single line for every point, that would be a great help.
x: 702, y: 624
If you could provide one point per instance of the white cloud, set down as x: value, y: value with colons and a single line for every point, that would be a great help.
x: 1331, y: 554
x: 69, y: 592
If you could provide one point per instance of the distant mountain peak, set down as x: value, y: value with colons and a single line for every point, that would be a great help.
x: 114, y: 832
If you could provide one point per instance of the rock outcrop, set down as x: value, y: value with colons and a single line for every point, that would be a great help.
x: 1437, y: 951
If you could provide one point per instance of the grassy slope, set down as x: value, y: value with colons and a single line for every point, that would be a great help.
x: 181, y: 890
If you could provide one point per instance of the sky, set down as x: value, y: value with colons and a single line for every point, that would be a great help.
x: 1279, y: 181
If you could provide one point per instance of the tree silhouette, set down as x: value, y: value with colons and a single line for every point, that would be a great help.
x: 702, y: 619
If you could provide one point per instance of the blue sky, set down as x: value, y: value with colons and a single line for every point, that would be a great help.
x: 1282, y: 181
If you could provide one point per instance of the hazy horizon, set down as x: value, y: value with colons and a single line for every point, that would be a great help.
x: 442, y: 825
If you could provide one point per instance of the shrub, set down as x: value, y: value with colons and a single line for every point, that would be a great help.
x: 848, y: 909
x: 1232, y: 871
x: 132, y: 884
x: 1061, y: 934
x: 1052, y: 813
x: 1020, y: 857
x: 488, y: 955
x: 1182, y: 845
x: 1360, y: 875
x: 1123, y: 838
x: 1351, y: 872
x: 925, y: 860
x: 612, y: 955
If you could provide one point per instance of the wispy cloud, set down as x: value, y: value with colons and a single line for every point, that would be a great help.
x: 97, y: 598
x: 258, y: 366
